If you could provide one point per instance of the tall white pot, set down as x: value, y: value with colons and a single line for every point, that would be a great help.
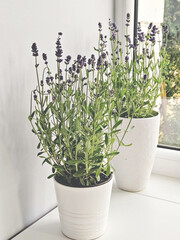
x: 83, y: 211
x: 134, y: 164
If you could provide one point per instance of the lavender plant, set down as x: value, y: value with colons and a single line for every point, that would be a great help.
x: 72, y: 116
x: 136, y: 73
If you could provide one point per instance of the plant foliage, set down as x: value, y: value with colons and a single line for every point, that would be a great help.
x: 136, y: 72
x: 72, y: 116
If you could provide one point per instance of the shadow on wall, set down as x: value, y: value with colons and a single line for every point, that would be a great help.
x: 21, y: 173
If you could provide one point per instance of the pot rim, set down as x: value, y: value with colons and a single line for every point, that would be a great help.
x: 86, y: 187
x: 140, y: 119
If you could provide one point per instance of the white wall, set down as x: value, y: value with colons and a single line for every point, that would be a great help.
x: 25, y: 193
x: 122, y: 7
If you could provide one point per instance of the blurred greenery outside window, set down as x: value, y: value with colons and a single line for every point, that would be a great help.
x: 170, y: 107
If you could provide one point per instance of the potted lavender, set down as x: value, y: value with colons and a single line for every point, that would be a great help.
x: 136, y: 75
x: 71, y: 114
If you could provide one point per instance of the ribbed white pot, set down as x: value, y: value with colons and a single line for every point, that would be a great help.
x: 83, y: 211
x: 134, y: 163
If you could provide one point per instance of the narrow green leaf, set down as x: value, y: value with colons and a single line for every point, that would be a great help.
x: 47, y: 161
x: 112, y: 106
x: 50, y: 176
x: 39, y: 145
x: 98, y: 178
x: 112, y: 154
x: 40, y: 153
x: 98, y: 172
x: 33, y: 131
x: 115, y: 131
x: 117, y: 124
x: 100, y: 157
x: 106, y: 139
x: 126, y: 145
x: 93, y: 170
x: 108, y: 171
x: 31, y: 116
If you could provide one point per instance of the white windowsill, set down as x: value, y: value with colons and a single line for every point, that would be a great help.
x: 152, y: 214
x: 167, y: 162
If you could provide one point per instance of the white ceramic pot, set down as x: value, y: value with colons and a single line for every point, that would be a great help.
x: 134, y: 163
x: 83, y: 211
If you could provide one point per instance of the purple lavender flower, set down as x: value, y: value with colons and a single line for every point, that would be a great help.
x: 127, y: 19
x: 70, y: 70
x: 48, y: 81
x: 84, y: 61
x: 35, y: 96
x: 53, y: 98
x: 113, y: 36
x: 59, y: 50
x: 93, y: 57
x: 150, y: 25
x: 99, y: 63
x: 78, y: 57
x: 111, y: 92
x: 44, y: 56
x: 131, y: 45
x: 89, y: 61
x: 139, y: 27
x: 100, y: 26
x: 154, y: 31
x: 129, y: 40
x: 145, y: 76
x: 68, y: 59
x: 166, y: 29
x: 69, y: 82
x: 103, y: 55
x: 51, y: 78
x: 74, y: 67
x: 126, y: 58
x: 48, y: 91
x: 141, y: 37
x: 106, y: 64
x: 152, y: 39
x: 114, y: 25
x: 113, y: 29
x: 42, y: 83
x: 34, y: 50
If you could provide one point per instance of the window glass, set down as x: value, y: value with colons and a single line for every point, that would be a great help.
x: 170, y: 107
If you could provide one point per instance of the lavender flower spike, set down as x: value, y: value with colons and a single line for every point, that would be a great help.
x: 34, y: 50
x: 126, y: 58
x: 145, y: 76
x: 44, y: 56
x: 99, y: 63
x: 100, y: 26
x: 166, y: 29
x: 127, y: 19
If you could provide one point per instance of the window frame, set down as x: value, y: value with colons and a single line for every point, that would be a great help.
x: 167, y: 159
